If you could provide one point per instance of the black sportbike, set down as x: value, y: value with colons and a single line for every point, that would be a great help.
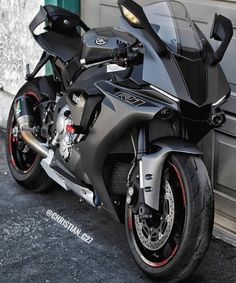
x: 119, y: 120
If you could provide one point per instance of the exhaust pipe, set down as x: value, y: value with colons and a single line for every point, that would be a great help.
x: 25, y: 118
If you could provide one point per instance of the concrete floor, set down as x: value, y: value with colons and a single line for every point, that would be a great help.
x: 34, y: 248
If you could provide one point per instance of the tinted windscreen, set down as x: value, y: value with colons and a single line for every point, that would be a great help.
x: 171, y: 21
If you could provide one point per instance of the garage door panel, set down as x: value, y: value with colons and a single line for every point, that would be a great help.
x: 228, y: 65
x: 225, y: 162
x: 90, y: 12
x: 230, y: 126
x: 109, y: 2
x: 202, y: 12
x: 100, y: 13
x: 230, y: 106
x: 203, y: 9
x: 109, y: 15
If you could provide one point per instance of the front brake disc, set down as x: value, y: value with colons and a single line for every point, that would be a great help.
x: 154, y: 237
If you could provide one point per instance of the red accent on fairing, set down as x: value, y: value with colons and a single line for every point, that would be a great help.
x: 70, y: 129
x: 181, y: 183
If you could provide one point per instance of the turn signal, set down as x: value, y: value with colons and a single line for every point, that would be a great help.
x: 130, y: 16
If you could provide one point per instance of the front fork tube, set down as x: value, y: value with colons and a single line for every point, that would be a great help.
x: 140, y: 207
x: 142, y: 150
x: 142, y: 142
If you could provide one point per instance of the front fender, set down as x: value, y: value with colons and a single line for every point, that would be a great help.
x: 152, y: 166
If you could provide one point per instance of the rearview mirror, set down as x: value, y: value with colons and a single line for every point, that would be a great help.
x: 222, y: 30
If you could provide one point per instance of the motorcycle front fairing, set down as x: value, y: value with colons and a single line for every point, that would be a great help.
x: 119, y: 114
x: 184, y: 70
x: 178, y: 55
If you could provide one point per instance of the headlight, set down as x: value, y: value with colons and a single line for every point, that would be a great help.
x: 130, y: 16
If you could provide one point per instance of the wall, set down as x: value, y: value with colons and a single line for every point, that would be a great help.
x: 17, y: 47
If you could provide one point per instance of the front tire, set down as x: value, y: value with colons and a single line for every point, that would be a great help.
x: 23, y: 162
x: 177, y: 248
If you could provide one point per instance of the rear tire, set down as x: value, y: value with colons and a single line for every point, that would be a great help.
x: 183, y: 252
x: 25, y: 164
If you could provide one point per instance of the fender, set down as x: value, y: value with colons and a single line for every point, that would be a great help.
x: 152, y: 166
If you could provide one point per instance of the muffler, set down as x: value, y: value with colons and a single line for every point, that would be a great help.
x: 24, y: 115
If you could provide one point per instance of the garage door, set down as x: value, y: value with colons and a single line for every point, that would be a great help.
x: 100, y: 12
x: 220, y: 145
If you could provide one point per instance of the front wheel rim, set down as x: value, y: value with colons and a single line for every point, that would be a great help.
x: 166, y: 252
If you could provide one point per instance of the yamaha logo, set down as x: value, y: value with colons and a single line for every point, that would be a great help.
x: 101, y: 40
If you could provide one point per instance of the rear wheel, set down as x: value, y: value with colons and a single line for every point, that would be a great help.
x: 172, y: 242
x: 23, y: 162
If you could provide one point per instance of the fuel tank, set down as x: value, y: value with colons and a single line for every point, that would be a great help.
x: 101, y: 40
